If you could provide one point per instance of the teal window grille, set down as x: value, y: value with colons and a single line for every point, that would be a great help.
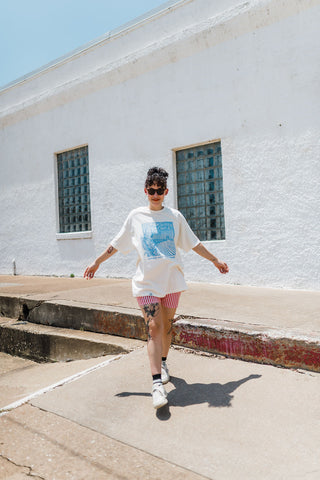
x: 74, y: 190
x: 200, y: 190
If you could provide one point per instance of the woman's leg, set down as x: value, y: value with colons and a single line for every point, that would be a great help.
x: 168, y: 320
x: 169, y: 307
x: 153, y: 317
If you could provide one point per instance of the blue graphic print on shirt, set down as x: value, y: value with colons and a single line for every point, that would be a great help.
x: 158, y: 240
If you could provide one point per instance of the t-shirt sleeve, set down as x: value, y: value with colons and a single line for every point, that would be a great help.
x: 123, y: 240
x: 187, y: 239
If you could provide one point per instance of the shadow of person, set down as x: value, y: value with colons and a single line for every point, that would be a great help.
x: 215, y: 394
x: 135, y: 394
x: 185, y: 394
x: 162, y: 413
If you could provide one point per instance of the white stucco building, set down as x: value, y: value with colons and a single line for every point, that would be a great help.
x: 233, y: 83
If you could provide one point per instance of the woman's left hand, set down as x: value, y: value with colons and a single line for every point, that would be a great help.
x: 221, y: 266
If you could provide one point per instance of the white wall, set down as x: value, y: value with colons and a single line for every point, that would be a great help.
x: 248, y: 75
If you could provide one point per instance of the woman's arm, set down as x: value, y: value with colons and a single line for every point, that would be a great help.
x: 203, y: 252
x: 91, y: 270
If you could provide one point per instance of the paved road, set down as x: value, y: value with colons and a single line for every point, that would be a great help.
x: 226, y: 420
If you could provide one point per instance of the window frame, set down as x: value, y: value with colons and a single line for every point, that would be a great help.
x: 175, y: 180
x: 69, y: 235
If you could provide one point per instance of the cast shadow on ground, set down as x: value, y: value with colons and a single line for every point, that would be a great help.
x: 185, y: 394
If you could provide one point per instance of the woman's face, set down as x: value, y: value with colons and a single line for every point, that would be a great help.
x: 156, y: 196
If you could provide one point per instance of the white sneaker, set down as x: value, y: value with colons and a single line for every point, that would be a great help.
x: 165, y: 377
x: 159, y: 395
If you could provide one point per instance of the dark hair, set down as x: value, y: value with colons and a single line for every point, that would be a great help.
x: 157, y: 176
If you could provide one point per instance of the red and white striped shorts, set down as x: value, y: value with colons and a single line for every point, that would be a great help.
x: 171, y: 300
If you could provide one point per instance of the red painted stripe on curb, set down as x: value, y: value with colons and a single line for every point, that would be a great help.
x: 286, y: 352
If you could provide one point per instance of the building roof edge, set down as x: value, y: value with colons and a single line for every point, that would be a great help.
x: 111, y: 35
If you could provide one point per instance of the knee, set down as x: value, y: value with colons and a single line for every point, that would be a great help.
x: 152, y: 315
x: 154, y: 328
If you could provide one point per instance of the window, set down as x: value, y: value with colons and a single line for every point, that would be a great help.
x: 74, y: 190
x: 200, y: 190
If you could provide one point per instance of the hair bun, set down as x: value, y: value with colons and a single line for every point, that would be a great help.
x: 157, y: 171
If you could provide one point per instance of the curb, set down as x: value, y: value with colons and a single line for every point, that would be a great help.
x: 235, y: 340
x: 49, y: 344
x: 267, y: 346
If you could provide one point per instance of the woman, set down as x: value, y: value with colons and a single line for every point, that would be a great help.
x: 156, y: 232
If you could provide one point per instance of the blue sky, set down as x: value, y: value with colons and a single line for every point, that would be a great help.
x: 35, y: 32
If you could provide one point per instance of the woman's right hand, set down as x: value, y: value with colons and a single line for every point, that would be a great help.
x: 90, y: 271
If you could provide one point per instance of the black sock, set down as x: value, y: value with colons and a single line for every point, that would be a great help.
x: 164, y: 359
x: 156, y: 378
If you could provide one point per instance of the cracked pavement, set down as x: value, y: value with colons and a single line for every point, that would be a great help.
x: 9, y: 470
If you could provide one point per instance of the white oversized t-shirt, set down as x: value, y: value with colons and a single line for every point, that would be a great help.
x: 157, y: 236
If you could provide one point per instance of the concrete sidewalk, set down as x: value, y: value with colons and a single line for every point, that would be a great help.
x: 93, y: 418
x: 274, y: 326
x: 225, y: 420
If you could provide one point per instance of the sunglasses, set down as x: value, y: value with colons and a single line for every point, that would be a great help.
x: 159, y: 191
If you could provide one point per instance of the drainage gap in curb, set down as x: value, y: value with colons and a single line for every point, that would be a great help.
x: 25, y: 312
